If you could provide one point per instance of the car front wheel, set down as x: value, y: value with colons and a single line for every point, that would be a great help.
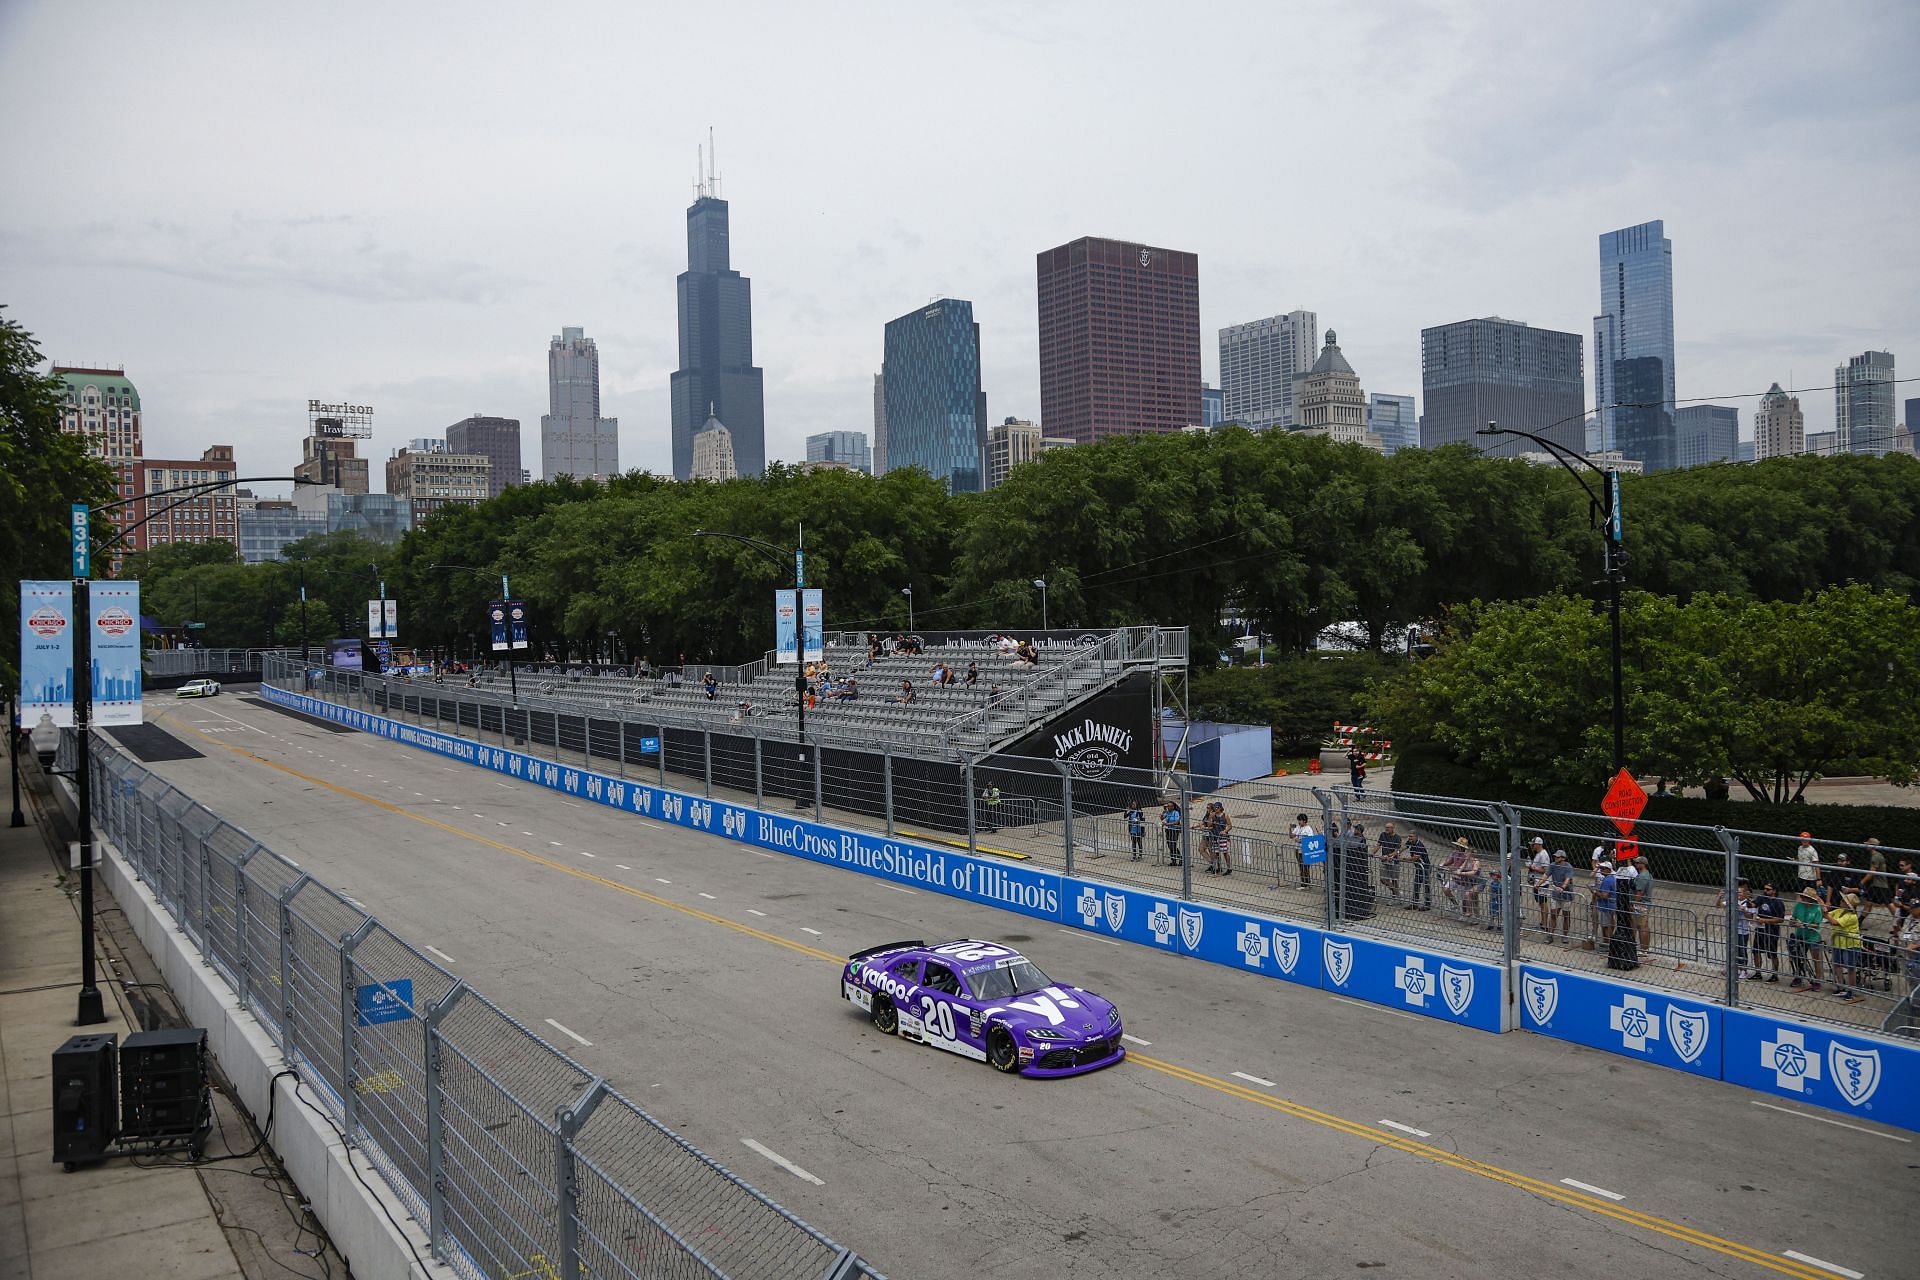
x: 886, y: 1018
x: 1001, y: 1052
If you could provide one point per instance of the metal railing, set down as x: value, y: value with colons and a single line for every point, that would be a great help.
x: 1490, y: 905
x: 207, y: 662
x: 517, y: 1160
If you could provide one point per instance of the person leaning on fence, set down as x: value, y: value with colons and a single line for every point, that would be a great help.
x: 1600, y: 904
x: 1768, y: 914
x: 1217, y: 824
x: 1538, y: 867
x: 1642, y: 902
x: 1170, y: 827
x: 1906, y: 945
x: 1806, y: 861
x: 1845, y: 922
x: 1803, y: 941
x: 1416, y: 853
x: 1137, y: 829
x: 1560, y: 895
x: 1743, y: 914
x: 1389, y: 848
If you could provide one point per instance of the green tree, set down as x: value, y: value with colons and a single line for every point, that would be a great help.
x: 43, y: 470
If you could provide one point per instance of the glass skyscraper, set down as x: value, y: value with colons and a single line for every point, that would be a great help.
x: 848, y: 448
x: 1642, y: 422
x: 1635, y: 323
x: 1392, y: 419
x: 936, y: 411
x: 1706, y: 433
x: 1473, y: 372
x: 717, y: 376
x: 1863, y: 404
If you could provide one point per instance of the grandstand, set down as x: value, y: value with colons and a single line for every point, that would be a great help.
x: 1007, y: 702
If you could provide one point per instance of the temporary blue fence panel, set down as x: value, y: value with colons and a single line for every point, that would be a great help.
x: 1406, y: 978
x: 1854, y: 1075
x: 1637, y: 1022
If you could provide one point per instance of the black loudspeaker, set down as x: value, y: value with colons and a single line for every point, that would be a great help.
x: 163, y: 1088
x: 84, y: 1094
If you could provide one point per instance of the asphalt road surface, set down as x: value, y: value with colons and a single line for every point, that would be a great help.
x: 1258, y: 1128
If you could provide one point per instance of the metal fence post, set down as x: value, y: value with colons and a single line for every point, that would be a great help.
x: 1066, y: 808
x: 201, y: 907
x: 1730, y: 886
x: 567, y: 1124
x: 1185, y: 786
x: 973, y: 819
x: 620, y: 728
x: 819, y: 763
x: 759, y: 773
x: 1327, y: 872
x: 287, y: 1041
x: 886, y: 787
x: 243, y: 958
x: 706, y: 773
x: 661, y: 755
x: 436, y: 1135
x: 1513, y: 858
x: 349, y: 1018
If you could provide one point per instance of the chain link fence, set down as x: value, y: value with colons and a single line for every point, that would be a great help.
x: 520, y: 1163
x: 1456, y: 875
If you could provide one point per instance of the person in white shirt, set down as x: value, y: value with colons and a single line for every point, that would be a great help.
x: 1808, y: 859
x: 1300, y: 828
x: 1538, y: 869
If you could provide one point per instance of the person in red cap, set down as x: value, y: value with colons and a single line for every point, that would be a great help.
x: 1808, y: 859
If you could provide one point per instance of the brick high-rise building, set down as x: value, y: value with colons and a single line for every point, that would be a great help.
x: 1119, y: 339
x: 433, y: 478
x: 498, y: 438
x: 210, y: 517
x: 103, y: 406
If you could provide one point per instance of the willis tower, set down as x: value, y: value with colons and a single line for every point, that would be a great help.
x: 717, y: 375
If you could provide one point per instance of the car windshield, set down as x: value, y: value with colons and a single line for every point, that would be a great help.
x: 1006, y: 978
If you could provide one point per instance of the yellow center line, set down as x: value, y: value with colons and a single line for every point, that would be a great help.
x: 1438, y: 1155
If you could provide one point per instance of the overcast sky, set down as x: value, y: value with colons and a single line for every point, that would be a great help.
x: 250, y: 205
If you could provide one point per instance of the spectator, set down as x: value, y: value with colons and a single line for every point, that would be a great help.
x: 711, y: 685
x: 1357, y: 767
x: 1025, y: 655
x: 1876, y: 886
x: 1422, y: 874
x: 1170, y: 827
x: 973, y: 675
x: 1389, y: 848
x: 1218, y: 825
x: 851, y: 692
x: 1844, y: 919
x: 1560, y: 895
x: 1450, y: 871
x: 1807, y: 860
x: 1643, y: 902
x: 1803, y: 941
x: 875, y: 650
x: 1600, y: 903
x: 990, y: 805
x: 740, y: 713
x: 1842, y: 879
x: 1137, y: 829
x: 1768, y: 914
x: 643, y: 670
x: 1496, y: 894
x: 1743, y: 916
x: 1300, y: 829
x: 1003, y: 644
x: 1906, y: 943
x: 1539, y: 866
x: 905, y: 695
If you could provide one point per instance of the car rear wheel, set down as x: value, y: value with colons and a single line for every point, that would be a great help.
x: 885, y: 1017
x: 1001, y: 1053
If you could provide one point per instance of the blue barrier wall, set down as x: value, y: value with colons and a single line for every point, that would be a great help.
x: 1806, y: 1062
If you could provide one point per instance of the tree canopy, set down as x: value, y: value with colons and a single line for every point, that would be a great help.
x: 1770, y: 693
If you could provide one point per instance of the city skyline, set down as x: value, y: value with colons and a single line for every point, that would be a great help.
x: 238, y: 288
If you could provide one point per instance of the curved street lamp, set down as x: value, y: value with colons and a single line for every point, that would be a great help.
x: 1606, y: 515
x: 1042, y: 584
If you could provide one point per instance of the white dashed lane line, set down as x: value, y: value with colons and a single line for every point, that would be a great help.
x: 815, y: 932
x: 623, y: 866
x: 782, y: 1161
x: 443, y: 955
x: 1241, y: 1075
x: 752, y: 912
x: 662, y: 880
x: 1834, y: 1267
x: 1578, y: 1185
x: 1145, y: 1044
x: 585, y: 854
x: 1808, y: 1115
x: 709, y: 897
x: 1419, y: 1133
x: 569, y: 1032
x: 1373, y: 1008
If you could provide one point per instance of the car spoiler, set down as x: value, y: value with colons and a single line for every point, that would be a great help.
x: 890, y: 946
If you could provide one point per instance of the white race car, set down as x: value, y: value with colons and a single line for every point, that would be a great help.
x: 198, y: 689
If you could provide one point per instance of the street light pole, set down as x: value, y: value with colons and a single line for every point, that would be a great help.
x: 1042, y: 584
x: 908, y: 593
x: 1605, y: 508
x: 13, y: 757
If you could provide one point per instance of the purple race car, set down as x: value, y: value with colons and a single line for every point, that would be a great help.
x: 984, y: 1001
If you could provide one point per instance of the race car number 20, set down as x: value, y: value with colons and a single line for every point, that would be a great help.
x: 938, y: 1017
